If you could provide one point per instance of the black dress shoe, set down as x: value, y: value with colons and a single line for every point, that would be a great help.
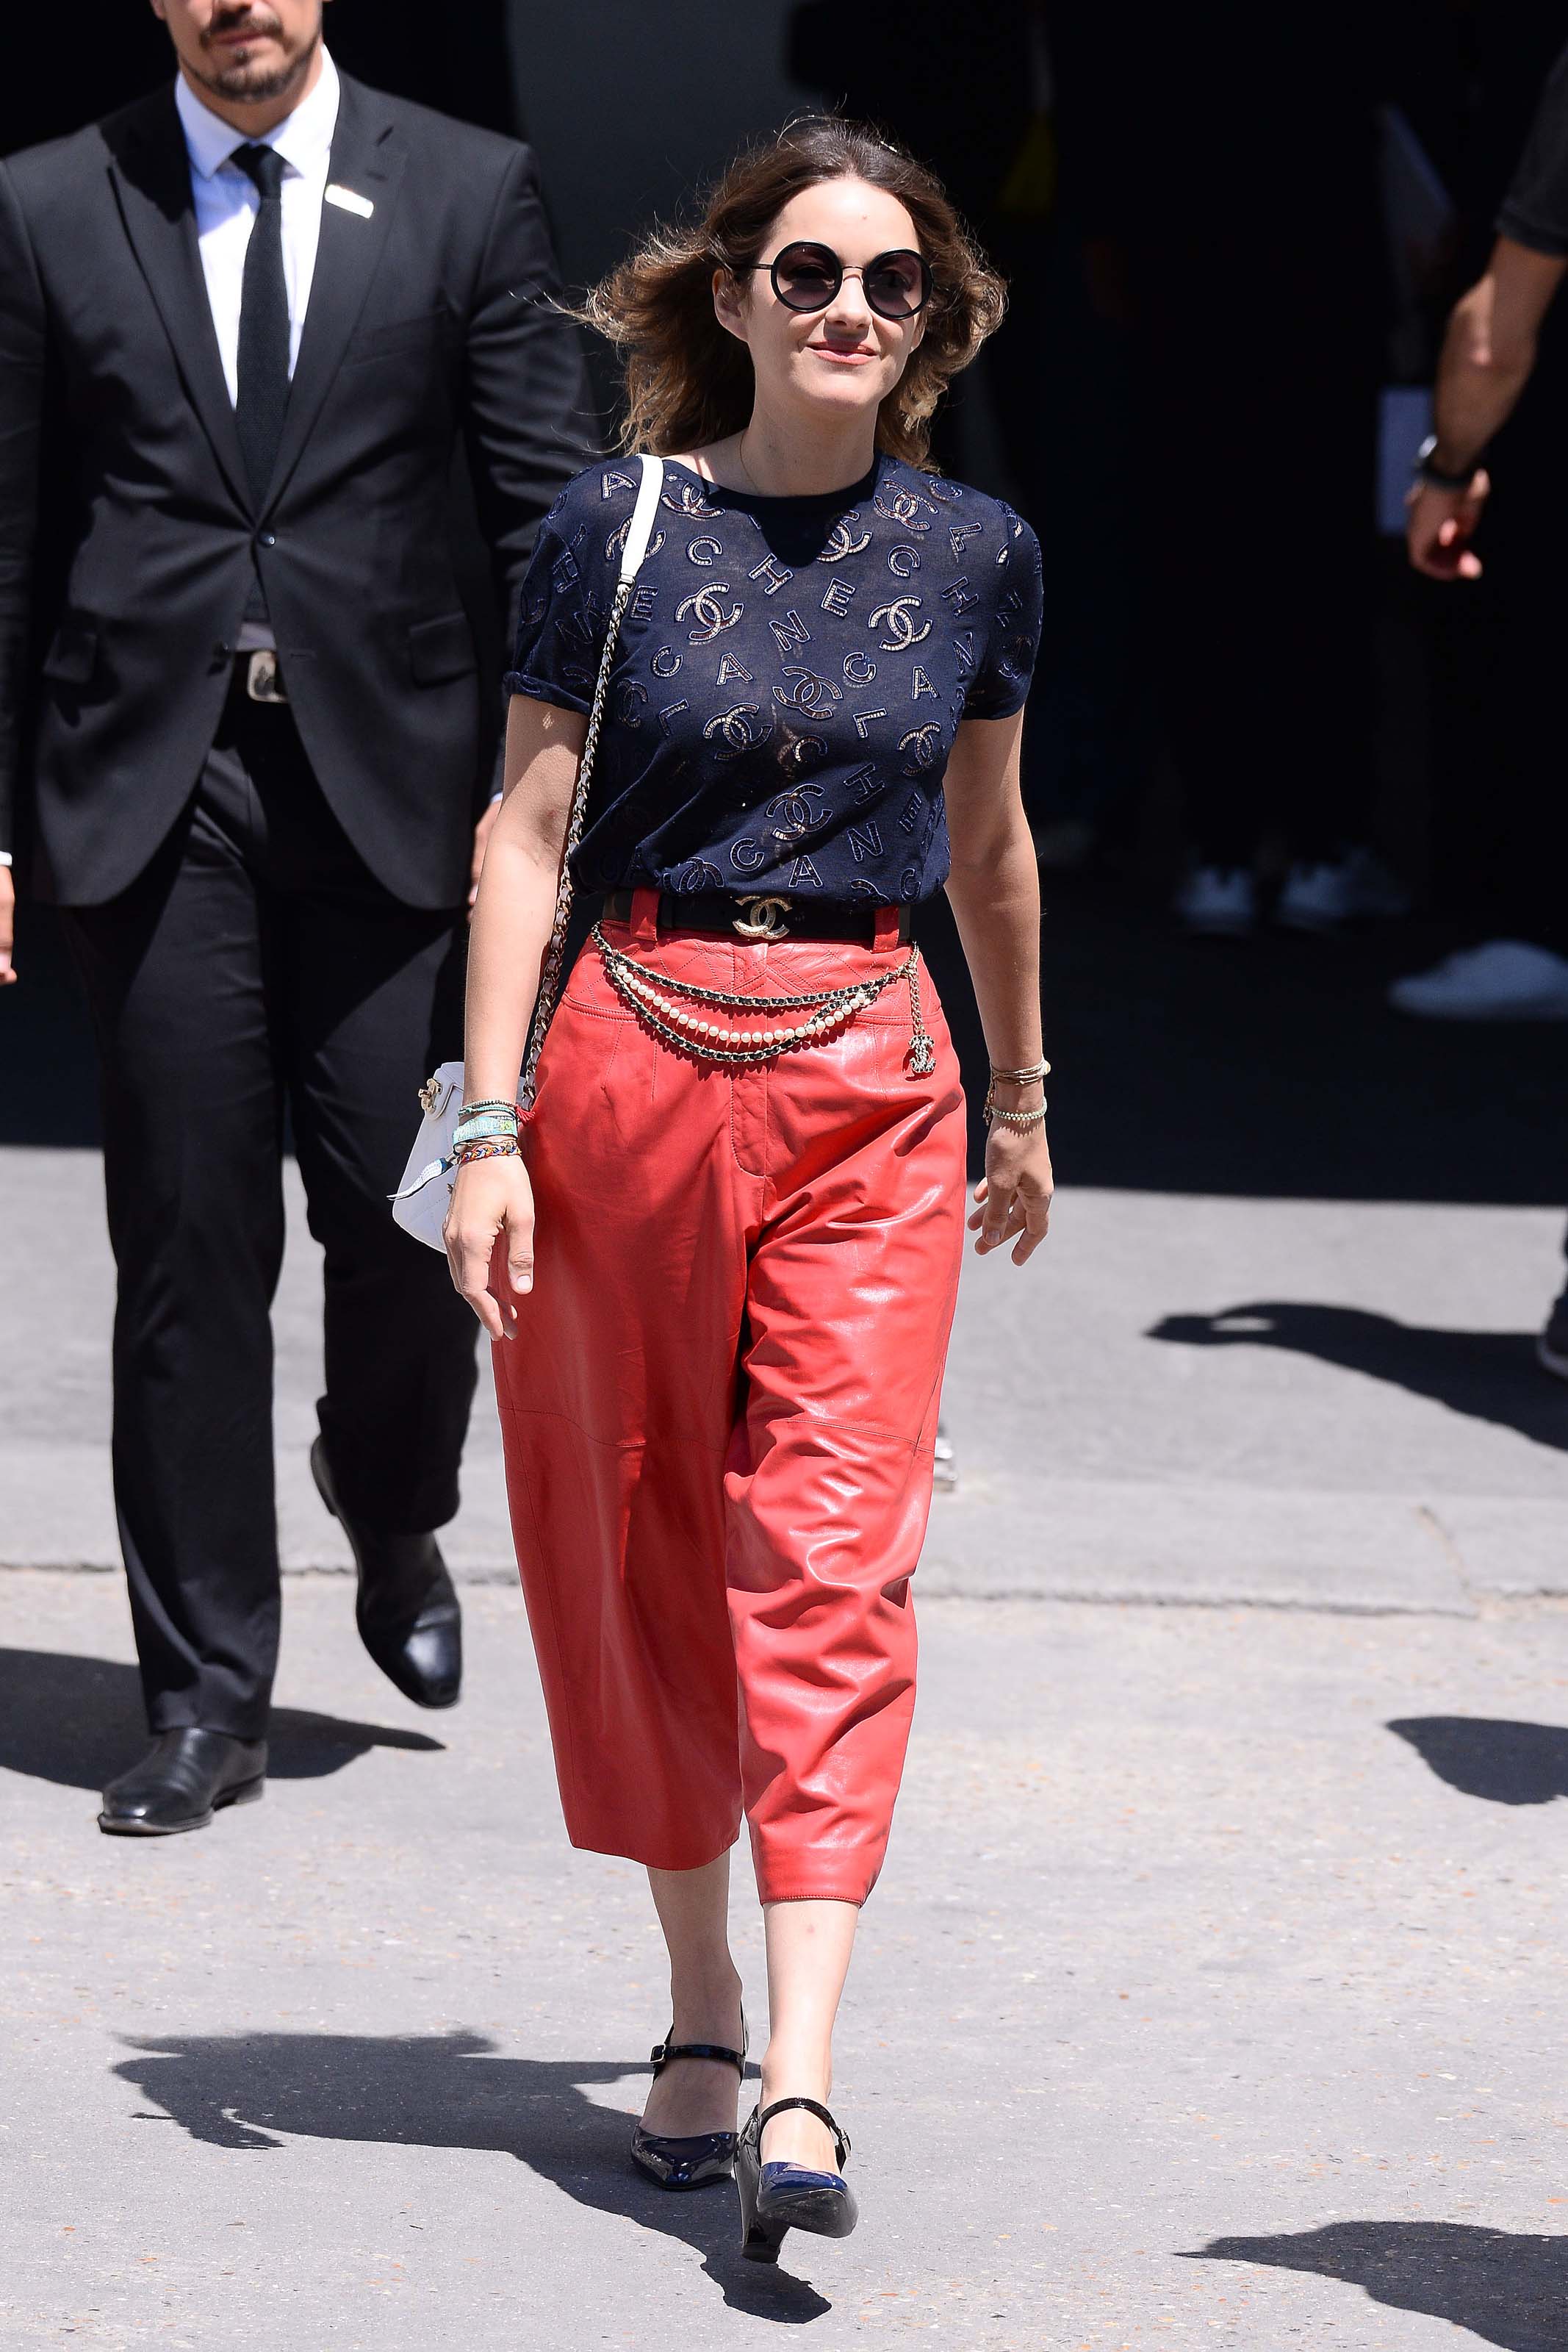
x: 184, y: 1778
x: 407, y: 1610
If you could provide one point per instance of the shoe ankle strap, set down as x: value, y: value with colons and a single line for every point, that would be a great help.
x: 662, y: 2053
x: 764, y: 2117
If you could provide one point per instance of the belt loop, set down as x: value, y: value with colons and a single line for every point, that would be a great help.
x: 644, y: 918
x: 889, y: 924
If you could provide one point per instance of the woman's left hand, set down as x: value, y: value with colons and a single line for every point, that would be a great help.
x: 1014, y: 1193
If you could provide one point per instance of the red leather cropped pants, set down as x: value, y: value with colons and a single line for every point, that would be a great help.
x: 719, y: 1410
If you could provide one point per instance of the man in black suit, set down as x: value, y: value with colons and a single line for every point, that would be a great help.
x: 243, y: 325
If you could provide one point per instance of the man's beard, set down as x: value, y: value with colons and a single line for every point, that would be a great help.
x: 256, y: 83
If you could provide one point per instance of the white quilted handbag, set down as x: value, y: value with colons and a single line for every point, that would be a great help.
x: 420, y: 1202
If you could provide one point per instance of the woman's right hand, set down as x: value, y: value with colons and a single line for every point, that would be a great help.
x: 492, y: 1201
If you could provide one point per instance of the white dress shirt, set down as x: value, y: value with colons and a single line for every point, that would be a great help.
x: 228, y: 202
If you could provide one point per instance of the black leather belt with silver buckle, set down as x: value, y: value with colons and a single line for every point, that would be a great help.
x: 260, y: 676
x: 771, y: 915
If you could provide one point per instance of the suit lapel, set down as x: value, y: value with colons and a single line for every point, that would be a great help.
x: 152, y: 176
x: 366, y: 160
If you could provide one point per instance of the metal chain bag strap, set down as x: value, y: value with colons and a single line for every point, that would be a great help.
x: 420, y: 1202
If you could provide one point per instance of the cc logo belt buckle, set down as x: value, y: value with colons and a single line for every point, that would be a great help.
x: 263, y: 679
x: 763, y: 918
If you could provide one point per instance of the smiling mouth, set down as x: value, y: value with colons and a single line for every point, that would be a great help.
x: 842, y: 358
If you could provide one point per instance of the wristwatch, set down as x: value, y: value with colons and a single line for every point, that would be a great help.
x: 1436, y: 474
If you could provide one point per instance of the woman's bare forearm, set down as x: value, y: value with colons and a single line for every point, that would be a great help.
x: 505, y: 945
x: 994, y: 888
x: 515, y: 905
x: 997, y: 908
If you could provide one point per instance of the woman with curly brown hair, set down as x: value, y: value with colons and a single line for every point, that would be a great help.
x: 721, y: 1250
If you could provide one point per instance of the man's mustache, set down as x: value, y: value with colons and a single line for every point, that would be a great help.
x: 242, y: 20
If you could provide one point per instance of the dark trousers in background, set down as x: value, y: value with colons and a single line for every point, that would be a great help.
x: 1261, y: 574
x: 1499, y: 817
x: 258, y: 965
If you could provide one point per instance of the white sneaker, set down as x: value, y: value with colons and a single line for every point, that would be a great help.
x: 1506, y: 980
x: 1217, y: 902
x: 1320, y: 897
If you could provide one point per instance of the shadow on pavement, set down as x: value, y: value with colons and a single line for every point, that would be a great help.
x: 1506, y: 1763
x: 1506, y: 2289
x: 1490, y: 1375
x: 77, y: 1721
x: 450, y: 2090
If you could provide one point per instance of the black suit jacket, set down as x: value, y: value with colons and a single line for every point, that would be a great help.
x: 433, y: 318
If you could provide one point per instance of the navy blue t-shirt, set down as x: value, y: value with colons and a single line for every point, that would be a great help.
x: 789, y: 676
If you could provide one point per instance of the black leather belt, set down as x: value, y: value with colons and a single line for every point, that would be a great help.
x: 767, y: 915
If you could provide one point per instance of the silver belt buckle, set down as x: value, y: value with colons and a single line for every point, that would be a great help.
x: 263, y: 679
x: 762, y: 919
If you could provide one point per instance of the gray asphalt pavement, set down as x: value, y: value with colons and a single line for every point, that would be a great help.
x: 1303, y: 1403
x: 1213, y: 1995
x: 1213, y: 1992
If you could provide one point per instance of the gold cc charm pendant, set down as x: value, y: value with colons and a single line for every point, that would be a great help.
x: 764, y: 918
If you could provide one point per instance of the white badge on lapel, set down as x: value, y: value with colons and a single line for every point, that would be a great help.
x: 349, y: 201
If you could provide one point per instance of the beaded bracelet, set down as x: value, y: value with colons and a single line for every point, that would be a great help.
x: 472, y: 1110
x: 1032, y: 1076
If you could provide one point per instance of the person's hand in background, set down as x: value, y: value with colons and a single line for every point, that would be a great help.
x: 8, y: 971
x: 1440, y: 524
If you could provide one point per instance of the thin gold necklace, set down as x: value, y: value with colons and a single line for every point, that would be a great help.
x: 740, y: 453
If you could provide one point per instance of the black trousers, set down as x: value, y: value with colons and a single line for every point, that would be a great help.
x: 256, y: 966
x: 1500, y: 814
x: 1261, y: 399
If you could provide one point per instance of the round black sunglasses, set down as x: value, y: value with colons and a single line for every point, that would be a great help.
x: 808, y: 277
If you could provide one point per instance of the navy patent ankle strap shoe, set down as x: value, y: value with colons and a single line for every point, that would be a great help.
x: 701, y: 2158
x: 775, y: 2198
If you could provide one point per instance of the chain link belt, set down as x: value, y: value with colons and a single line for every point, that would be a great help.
x: 671, y: 1007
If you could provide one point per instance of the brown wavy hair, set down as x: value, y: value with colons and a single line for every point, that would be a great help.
x: 689, y: 380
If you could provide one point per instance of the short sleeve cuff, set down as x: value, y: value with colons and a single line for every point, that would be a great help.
x: 1519, y: 229
x: 543, y: 689
x: 5, y: 857
x: 1001, y: 706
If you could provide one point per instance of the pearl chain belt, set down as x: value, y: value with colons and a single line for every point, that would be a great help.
x: 672, y: 1010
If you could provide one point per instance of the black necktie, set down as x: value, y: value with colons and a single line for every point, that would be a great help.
x: 263, y: 365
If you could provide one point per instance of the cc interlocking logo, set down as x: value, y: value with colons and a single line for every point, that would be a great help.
x: 841, y: 544
x: 903, y: 631
x: 706, y: 608
x: 763, y: 918
x: 733, y: 729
